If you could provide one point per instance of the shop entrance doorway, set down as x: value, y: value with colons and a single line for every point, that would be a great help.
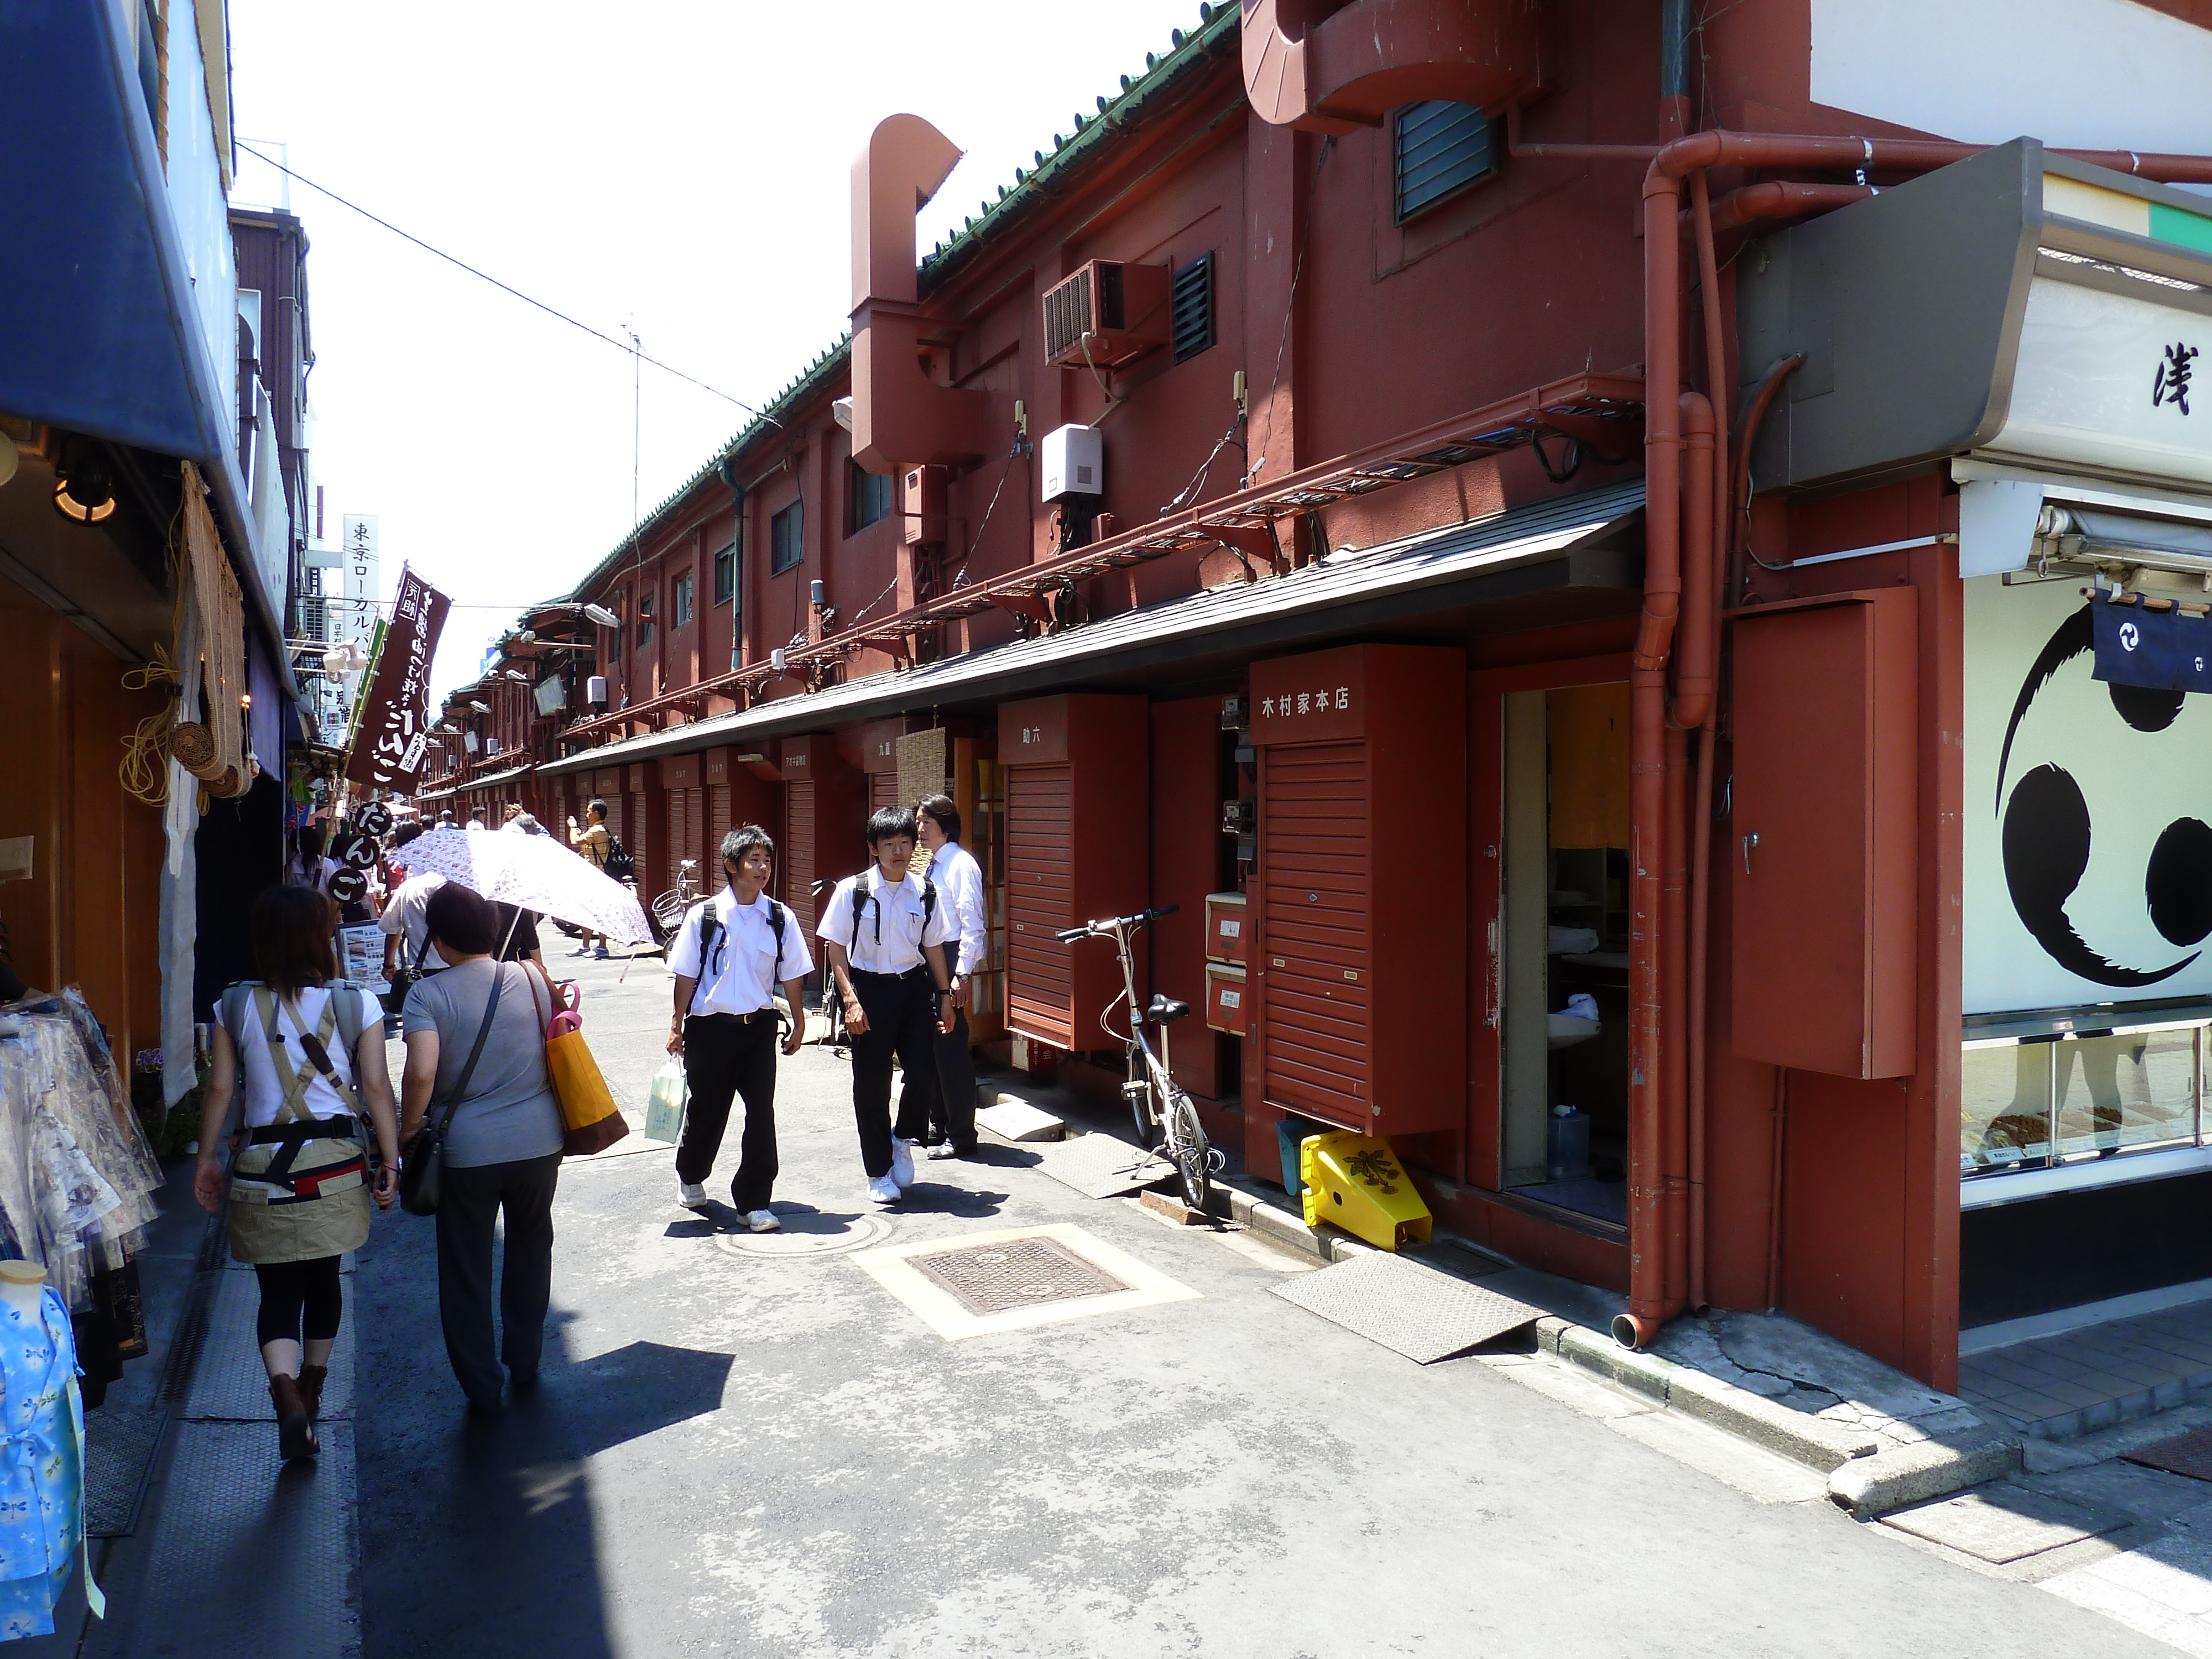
x: 1563, y: 952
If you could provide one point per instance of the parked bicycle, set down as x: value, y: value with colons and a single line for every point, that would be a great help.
x: 1166, y: 1119
x: 667, y: 911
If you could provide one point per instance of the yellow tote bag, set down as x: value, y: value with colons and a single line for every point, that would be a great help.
x: 590, y: 1120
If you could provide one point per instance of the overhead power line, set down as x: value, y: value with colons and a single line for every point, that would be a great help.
x: 627, y: 347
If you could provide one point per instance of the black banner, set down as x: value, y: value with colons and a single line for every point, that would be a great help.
x: 390, y: 744
x: 2160, y: 649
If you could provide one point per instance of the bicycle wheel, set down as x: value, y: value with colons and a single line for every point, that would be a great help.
x: 1189, y: 1154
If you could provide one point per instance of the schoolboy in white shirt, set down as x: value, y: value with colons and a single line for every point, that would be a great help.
x: 729, y: 956
x: 883, y: 931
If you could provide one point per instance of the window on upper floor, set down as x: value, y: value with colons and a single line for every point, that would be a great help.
x: 1190, y: 309
x: 787, y: 538
x: 644, y: 620
x: 679, y: 600
x: 726, y: 574
x: 869, y: 494
x: 1440, y: 149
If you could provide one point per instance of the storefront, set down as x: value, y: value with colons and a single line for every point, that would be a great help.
x: 2043, y: 367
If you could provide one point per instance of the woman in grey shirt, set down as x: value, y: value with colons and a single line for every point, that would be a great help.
x: 502, y: 1145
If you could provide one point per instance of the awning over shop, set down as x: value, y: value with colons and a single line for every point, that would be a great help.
x: 97, y: 329
x: 2013, y: 518
x: 507, y: 776
x: 1572, y: 541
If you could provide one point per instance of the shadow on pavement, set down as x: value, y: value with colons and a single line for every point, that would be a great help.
x: 477, y: 1534
x: 941, y: 1200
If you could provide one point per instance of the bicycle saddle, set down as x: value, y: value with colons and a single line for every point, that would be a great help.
x: 1165, y: 1008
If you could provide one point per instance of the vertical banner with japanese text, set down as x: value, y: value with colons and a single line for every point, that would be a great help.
x: 390, y: 740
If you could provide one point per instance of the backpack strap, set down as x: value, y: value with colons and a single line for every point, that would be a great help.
x: 860, y: 884
x: 294, y: 1077
x: 775, y: 916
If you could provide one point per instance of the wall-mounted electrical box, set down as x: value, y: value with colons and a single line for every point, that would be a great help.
x: 1107, y: 314
x: 1071, y: 461
x: 921, y: 503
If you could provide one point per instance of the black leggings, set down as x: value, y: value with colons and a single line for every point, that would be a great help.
x: 299, y: 1298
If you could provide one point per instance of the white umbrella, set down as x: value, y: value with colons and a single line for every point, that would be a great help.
x: 534, y: 873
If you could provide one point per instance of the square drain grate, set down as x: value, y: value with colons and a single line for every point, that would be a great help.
x: 1018, y: 1272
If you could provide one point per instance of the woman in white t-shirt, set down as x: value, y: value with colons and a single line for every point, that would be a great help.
x: 308, y: 867
x: 309, y: 1051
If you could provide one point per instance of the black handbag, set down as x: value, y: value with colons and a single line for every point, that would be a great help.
x: 422, y: 1161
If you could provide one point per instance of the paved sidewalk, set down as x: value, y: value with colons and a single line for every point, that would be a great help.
x: 2068, y: 1383
x: 770, y: 1454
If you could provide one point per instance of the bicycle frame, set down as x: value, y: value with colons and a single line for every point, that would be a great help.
x: 1158, y: 1069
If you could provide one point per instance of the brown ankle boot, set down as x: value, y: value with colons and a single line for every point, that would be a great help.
x: 311, y: 1390
x: 296, y: 1435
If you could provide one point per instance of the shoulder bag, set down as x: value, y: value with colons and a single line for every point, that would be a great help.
x: 422, y: 1161
x: 590, y: 1120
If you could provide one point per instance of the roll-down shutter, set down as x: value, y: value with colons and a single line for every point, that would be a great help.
x: 1040, y: 892
x: 800, y: 853
x: 1317, y: 989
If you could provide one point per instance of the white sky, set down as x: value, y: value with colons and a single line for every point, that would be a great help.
x: 681, y: 166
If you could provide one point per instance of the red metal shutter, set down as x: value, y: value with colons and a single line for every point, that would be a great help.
x: 1039, y: 901
x: 798, y: 859
x: 1315, y: 868
x: 719, y: 821
x: 882, y: 790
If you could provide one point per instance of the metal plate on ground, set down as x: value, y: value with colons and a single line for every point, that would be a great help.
x: 229, y: 1501
x: 1417, y: 1311
x: 1099, y: 1165
x: 807, y: 1232
x: 230, y: 1384
x: 2186, y: 1453
x: 120, y: 1443
x: 1015, y: 1278
x: 1021, y: 1273
x: 2001, y: 1524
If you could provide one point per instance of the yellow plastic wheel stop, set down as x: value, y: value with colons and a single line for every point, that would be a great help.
x: 1356, y: 1181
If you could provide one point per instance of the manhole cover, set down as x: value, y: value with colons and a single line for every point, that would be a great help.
x: 1018, y: 1272
x: 809, y: 1232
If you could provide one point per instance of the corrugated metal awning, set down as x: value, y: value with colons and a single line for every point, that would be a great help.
x: 1350, y: 588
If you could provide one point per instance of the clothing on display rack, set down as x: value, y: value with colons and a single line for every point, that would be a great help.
x: 78, y: 1178
x: 42, y: 1464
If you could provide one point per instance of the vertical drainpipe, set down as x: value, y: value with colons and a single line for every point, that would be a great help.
x: 727, y: 472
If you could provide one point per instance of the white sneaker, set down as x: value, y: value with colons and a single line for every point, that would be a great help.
x: 883, y: 1190
x: 690, y: 1194
x: 903, y: 1162
x: 763, y: 1221
x: 944, y: 1149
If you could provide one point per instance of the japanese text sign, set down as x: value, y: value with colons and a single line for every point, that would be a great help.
x: 390, y: 744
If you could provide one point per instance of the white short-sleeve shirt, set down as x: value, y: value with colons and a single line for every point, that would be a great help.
x: 258, y: 1073
x: 891, y: 930
x: 404, y: 915
x: 959, y: 881
x: 740, y: 974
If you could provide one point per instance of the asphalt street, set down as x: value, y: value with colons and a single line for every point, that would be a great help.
x: 732, y: 1453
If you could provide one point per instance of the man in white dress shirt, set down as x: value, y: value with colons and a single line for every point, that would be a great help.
x: 959, y: 879
x: 729, y: 956
x: 883, y: 931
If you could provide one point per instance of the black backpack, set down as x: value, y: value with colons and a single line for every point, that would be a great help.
x: 710, y: 925
x: 863, y: 884
x: 619, y: 865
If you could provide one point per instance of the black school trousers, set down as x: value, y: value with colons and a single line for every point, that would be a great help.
x: 902, y: 1011
x: 727, y: 1057
x: 947, y: 1091
x: 469, y: 1201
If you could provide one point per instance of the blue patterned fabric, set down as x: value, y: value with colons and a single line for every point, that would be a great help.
x: 41, y: 1465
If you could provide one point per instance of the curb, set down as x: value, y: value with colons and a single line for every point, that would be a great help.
x: 1866, y: 1476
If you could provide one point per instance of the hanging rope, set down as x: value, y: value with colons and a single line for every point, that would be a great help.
x: 145, y: 769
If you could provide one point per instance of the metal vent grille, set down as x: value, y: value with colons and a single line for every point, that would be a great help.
x: 1191, y: 308
x: 1441, y: 148
x: 1067, y: 316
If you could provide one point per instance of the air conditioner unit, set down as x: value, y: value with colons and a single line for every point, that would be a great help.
x: 1071, y: 462
x: 1106, y: 314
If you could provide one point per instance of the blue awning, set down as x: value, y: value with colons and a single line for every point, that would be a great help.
x: 98, y: 332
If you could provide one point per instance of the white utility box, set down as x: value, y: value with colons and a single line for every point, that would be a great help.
x: 1073, y: 462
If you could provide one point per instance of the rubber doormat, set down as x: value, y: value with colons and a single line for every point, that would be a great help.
x: 2186, y: 1453
x: 119, y: 1444
x: 975, y: 1284
x: 1417, y: 1311
x: 1099, y: 1165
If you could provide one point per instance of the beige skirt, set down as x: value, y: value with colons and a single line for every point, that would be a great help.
x: 271, y: 1224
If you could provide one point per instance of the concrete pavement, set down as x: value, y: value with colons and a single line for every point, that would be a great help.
x: 739, y: 1454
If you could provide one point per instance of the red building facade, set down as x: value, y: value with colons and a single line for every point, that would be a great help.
x: 1451, y: 583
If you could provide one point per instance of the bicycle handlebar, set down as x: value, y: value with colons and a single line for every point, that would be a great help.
x: 1068, y: 936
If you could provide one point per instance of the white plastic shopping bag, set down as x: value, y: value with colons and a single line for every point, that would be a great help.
x: 664, y: 1108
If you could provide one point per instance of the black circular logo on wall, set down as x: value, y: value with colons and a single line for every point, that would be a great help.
x: 2047, y: 833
